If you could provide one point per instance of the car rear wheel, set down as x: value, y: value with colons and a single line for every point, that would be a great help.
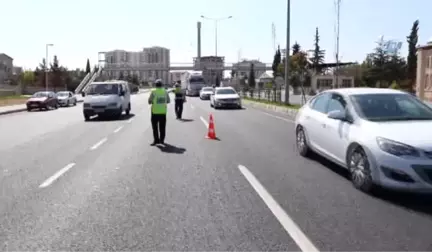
x: 359, y: 168
x: 128, y: 110
x: 301, y: 142
x: 86, y: 117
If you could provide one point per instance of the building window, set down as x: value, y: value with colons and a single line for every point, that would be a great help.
x: 346, y: 83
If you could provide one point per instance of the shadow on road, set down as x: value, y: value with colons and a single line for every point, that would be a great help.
x: 168, y: 148
x: 111, y: 118
x: 417, y: 202
x: 186, y: 120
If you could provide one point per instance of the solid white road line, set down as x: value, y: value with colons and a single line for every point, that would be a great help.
x: 204, y: 121
x: 278, y: 117
x: 288, y: 224
x: 94, y: 147
x: 118, y: 129
x: 57, y: 175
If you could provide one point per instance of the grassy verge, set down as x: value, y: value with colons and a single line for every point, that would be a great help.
x: 12, y: 100
x: 293, y: 106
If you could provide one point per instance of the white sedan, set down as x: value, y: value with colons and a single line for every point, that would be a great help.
x: 66, y: 98
x: 205, y: 93
x: 382, y: 136
x: 225, y: 97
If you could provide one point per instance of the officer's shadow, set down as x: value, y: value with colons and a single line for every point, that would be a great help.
x: 168, y: 148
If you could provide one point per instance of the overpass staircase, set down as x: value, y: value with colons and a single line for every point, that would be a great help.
x: 89, y: 78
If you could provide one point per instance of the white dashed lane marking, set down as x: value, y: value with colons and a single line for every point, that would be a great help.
x: 57, y: 175
x: 98, y: 144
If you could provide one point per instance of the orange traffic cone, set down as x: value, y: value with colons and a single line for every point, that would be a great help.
x: 211, y: 134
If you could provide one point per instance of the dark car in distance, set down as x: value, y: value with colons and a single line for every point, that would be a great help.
x: 42, y: 100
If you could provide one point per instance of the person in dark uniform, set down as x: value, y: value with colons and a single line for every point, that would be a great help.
x: 159, y: 98
x: 180, y: 98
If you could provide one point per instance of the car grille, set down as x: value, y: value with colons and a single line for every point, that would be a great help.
x: 98, y: 107
x: 228, y: 100
x: 424, y: 171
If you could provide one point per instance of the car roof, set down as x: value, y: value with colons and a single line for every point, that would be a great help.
x: 221, y: 88
x: 361, y: 91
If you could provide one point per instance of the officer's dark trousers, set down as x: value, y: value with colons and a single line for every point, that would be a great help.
x: 179, y: 108
x: 158, y: 125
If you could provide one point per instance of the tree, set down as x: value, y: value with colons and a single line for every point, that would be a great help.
x: 276, y: 62
x: 296, y: 48
x: 56, y: 75
x: 317, y: 54
x: 121, y: 77
x: 28, y: 77
x: 233, y: 73
x: 412, y: 40
x: 135, y: 79
x: 251, y: 79
x: 88, y: 69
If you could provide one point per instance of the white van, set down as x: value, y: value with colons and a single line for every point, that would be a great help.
x: 109, y: 98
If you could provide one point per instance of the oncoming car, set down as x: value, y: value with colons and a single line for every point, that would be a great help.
x: 108, y: 98
x: 382, y: 136
x: 205, y: 93
x: 66, y: 98
x: 225, y: 97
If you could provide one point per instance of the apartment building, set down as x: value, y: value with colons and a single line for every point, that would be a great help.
x: 149, y: 64
x: 6, y: 67
x: 424, y: 72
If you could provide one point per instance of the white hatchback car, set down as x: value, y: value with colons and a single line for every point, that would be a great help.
x: 382, y: 136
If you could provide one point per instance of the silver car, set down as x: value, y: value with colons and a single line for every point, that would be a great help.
x: 66, y: 98
x: 382, y: 136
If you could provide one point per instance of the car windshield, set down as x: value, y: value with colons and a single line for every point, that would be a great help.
x: 225, y: 91
x: 390, y: 107
x: 40, y: 94
x: 62, y: 94
x: 207, y: 89
x: 103, y: 89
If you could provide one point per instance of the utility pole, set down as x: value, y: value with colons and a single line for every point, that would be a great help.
x: 287, y: 53
x: 46, y: 65
x: 338, y: 2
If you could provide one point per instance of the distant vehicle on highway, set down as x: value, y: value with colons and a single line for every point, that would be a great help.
x: 205, y: 93
x: 225, y: 97
x: 192, y: 82
x: 42, y: 100
x: 382, y: 136
x: 108, y: 98
x: 66, y: 98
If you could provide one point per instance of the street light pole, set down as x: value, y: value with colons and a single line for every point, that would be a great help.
x: 216, y: 20
x: 287, y: 53
x: 46, y: 65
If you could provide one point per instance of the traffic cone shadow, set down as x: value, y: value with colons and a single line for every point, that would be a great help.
x: 211, y: 132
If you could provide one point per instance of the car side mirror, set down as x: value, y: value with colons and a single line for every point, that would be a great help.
x: 122, y: 93
x: 337, y: 115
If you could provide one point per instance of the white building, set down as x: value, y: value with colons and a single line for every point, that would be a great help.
x: 242, y: 68
x: 150, y: 64
x: 212, y: 67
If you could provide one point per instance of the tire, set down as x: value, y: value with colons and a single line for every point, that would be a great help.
x: 211, y: 105
x: 28, y: 109
x: 301, y: 142
x: 75, y: 103
x: 67, y: 104
x: 128, y: 109
x: 359, y: 169
x: 86, y: 117
x: 119, y: 113
x: 56, y: 106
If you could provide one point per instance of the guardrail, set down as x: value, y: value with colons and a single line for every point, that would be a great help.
x: 274, y: 95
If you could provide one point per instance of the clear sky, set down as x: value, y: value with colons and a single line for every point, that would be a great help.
x: 79, y: 29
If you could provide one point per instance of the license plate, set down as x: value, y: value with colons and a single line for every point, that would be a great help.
x: 99, y: 110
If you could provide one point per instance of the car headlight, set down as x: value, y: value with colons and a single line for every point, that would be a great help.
x: 396, y: 148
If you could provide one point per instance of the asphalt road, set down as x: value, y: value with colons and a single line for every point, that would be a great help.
x: 86, y: 186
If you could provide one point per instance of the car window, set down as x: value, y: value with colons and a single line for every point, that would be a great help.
x: 320, y: 103
x: 337, y: 102
x: 391, y: 107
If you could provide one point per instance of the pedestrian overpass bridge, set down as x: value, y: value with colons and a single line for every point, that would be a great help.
x: 185, y: 67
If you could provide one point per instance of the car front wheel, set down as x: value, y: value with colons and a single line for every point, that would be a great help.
x: 301, y: 142
x: 359, y: 168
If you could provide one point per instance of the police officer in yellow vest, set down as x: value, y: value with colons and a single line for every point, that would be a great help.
x: 159, y: 98
x: 180, y: 98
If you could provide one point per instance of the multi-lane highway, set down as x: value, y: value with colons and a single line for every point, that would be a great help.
x: 67, y: 184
